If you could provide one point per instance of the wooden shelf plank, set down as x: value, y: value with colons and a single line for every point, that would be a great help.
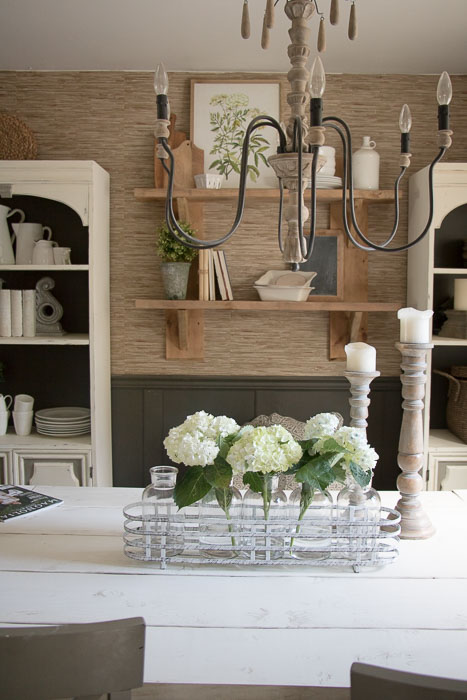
x: 188, y: 304
x: 450, y: 270
x: 257, y: 194
x: 67, y: 339
x: 44, y: 268
x: 437, y: 341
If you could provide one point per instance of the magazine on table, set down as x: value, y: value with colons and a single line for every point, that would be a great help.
x: 16, y: 502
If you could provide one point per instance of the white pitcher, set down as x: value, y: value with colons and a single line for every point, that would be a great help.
x: 6, y: 248
x: 26, y: 236
x: 43, y: 252
x: 366, y: 166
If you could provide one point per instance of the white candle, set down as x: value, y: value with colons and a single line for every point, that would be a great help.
x: 415, y: 325
x: 360, y: 357
x: 460, y: 294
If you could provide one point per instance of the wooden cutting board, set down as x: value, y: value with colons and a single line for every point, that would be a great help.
x: 188, y: 161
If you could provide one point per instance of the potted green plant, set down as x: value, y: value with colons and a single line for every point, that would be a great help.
x: 176, y: 260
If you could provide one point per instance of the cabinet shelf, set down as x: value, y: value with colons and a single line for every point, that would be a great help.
x: 257, y: 194
x: 452, y: 342
x: 450, y: 270
x: 351, y: 306
x: 68, y: 339
x: 44, y: 268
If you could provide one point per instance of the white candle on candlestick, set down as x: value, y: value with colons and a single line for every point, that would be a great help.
x: 460, y: 294
x: 360, y: 357
x: 415, y: 325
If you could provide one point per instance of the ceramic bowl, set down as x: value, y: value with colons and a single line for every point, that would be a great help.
x: 286, y: 278
x: 210, y: 181
x: 276, y: 293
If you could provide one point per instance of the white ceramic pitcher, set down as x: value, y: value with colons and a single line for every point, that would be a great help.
x: 26, y: 236
x: 6, y: 248
x: 43, y: 252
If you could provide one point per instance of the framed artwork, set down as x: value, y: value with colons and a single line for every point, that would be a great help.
x: 327, y: 260
x: 220, y: 114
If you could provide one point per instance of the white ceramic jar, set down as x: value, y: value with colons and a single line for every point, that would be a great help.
x: 366, y: 166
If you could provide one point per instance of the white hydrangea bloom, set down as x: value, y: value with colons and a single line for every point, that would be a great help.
x: 354, y: 440
x: 264, y: 449
x: 323, y: 424
x: 194, y: 441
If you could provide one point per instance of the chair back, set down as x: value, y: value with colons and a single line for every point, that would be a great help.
x: 369, y: 682
x: 76, y: 660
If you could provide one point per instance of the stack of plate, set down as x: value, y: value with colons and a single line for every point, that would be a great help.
x: 328, y: 182
x: 63, y: 421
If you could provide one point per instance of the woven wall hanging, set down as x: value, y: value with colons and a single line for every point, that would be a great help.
x: 17, y: 142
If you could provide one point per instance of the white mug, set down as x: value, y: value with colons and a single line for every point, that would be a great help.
x: 5, y: 402
x: 43, y: 253
x: 23, y: 402
x: 23, y: 422
x: 62, y: 256
x: 4, y: 415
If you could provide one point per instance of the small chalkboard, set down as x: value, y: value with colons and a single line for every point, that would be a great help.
x: 327, y: 261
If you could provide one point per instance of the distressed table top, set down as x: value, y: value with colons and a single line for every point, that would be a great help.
x: 280, y: 626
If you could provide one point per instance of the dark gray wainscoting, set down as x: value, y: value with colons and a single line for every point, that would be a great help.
x: 145, y: 408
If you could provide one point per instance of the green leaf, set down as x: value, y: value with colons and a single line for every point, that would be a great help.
x: 218, y: 474
x: 224, y: 498
x: 332, y: 445
x: 317, y: 470
x: 191, y: 487
x: 362, y: 477
x: 254, y: 480
x: 339, y: 473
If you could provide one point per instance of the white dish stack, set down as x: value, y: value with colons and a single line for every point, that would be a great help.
x: 66, y: 421
x: 280, y: 285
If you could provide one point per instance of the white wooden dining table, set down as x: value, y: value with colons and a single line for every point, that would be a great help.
x: 243, y: 625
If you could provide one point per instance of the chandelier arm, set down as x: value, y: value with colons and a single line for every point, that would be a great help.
x: 281, y: 201
x: 162, y: 160
x: 311, y: 240
x: 174, y: 228
x: 371, y: 245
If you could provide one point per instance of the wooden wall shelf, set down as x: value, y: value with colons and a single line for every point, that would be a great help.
x: 257, y: 194
x: 188, y: 304
x: 348, y: 318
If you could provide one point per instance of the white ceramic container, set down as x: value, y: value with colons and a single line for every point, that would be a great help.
x: 366, y: 166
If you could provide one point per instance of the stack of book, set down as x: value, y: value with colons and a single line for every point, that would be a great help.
x: 214, y: 279
x: 17, y: 313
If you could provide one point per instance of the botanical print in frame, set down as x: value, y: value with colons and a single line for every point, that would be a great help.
x: 220, y: 114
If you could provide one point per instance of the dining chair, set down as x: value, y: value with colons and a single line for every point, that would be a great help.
x: 368, y: 682
x: 82, y: 661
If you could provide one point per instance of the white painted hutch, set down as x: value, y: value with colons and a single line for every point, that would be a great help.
x: 72, y: 197
x: 432, y: 268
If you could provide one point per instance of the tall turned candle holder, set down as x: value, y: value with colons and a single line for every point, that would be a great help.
x: 415, y: 524
x: 359, y: 401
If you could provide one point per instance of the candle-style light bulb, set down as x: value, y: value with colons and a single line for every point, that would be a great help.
x: 444, y: 89
x: 161, y: 80
x: 405, y: 120
x: 318, y: 78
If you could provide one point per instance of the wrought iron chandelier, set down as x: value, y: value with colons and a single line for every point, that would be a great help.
x: 297, y: 159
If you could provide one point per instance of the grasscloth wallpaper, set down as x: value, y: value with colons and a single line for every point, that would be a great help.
x: 109, y: 116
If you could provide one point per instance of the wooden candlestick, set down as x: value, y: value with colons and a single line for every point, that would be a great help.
x: 359, y: 402
x: 415, y: 524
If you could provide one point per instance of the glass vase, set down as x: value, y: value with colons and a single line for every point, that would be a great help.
x: 162, y: 522
x: 219, y: 522
x: 358, y: 515
x: 264, y: 531
x: 311, y: 533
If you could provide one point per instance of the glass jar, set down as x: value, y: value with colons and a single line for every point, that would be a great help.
x: 311, y: 534
x: 264, y: 532
x: 358, y: 515
x: 162, y: 521
x: 219, y: 522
